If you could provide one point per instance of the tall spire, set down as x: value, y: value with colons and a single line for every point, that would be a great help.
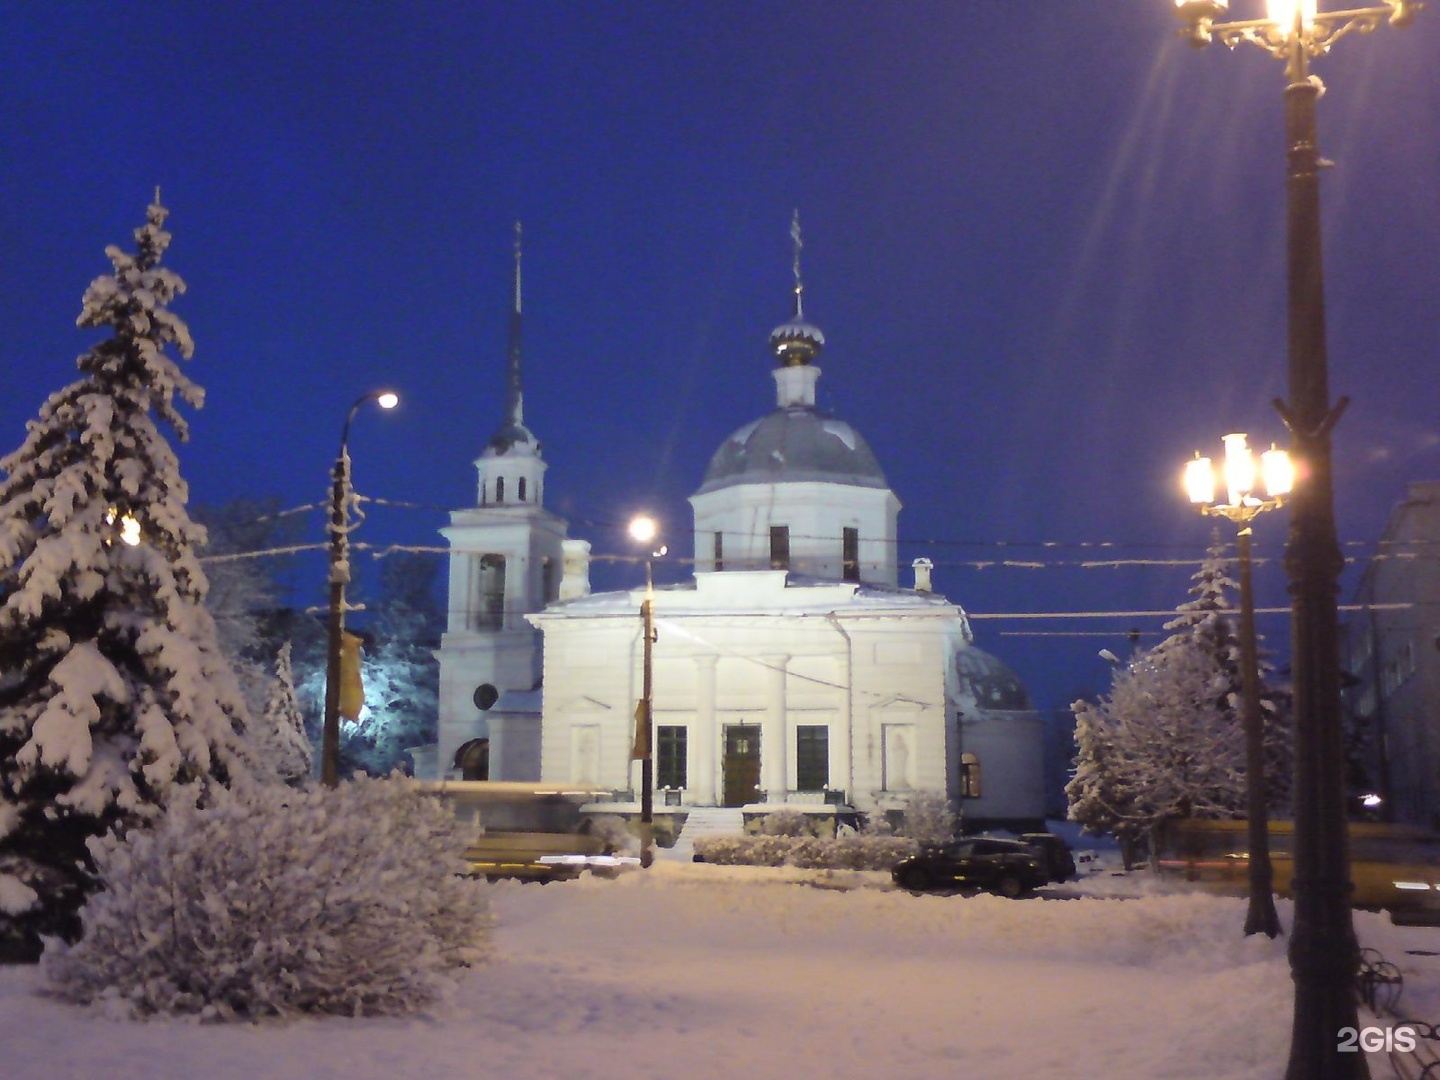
x: 515, y: 394
x: 513, y: 437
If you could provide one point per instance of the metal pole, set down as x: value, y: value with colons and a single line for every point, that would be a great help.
x: 335, y: 626
x: 647, y: 759
x: 1324, y: 953
x: 1260, y: 917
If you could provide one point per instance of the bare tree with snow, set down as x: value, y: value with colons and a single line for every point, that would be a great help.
x: 283, y: 750
x: 113, y: 689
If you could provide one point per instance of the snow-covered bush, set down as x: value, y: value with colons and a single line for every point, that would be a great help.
x: 929, y: 818
x: 612, y: 831
x: 274, y: 901
x: 786, y: 821
x: 860, y: 851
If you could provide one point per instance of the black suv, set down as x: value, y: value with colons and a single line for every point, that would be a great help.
x: 1007, y: 867
x: 1054, y: 852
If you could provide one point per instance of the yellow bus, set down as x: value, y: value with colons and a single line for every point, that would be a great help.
x: 532, y: 831
x: 1393, y: 867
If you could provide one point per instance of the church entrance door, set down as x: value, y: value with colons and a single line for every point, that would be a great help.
x: 742, y: 763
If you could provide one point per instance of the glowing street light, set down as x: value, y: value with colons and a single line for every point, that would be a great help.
x: 1324, y: 952
x: 340, y: 577
x: 1241, y: 506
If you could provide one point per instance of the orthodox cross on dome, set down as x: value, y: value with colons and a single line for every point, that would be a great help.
x: 797, y: 342
x: 514, y: 397
x: 799, y: 284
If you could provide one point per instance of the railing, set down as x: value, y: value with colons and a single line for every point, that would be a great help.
x: 1411, y: 1046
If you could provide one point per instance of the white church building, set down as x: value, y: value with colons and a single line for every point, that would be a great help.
x: 791, y: 669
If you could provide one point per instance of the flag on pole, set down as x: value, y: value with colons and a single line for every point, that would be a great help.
x: 352, y: 687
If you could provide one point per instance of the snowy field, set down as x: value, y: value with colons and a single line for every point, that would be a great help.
x: 718, y: 973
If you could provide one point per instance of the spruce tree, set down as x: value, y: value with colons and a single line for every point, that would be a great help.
x: 113, y: 689
x: 287, y: 751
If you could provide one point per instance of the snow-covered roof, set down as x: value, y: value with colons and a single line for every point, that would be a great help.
x: 794, y: 444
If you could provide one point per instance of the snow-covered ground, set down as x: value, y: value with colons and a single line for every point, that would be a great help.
x: 713, y: 973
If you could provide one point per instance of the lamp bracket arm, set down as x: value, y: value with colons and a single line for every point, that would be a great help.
x: 1321, y: 430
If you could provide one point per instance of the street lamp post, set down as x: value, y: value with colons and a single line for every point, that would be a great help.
x: 339, y: 529
x: 1241, y: 507
x: 1324, y: 953
x: 643, y: 530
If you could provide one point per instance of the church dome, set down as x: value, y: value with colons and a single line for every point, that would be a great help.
x: 794, y: 444
x: 990, y: 682
x: 512, y: 439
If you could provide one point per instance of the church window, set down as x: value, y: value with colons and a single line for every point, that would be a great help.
x: 969, y: 776
x: 490, y: 611
x: 520, y: 489
x: 549, y: 584
x: 779, y: 547
x: 670, y: 756
x: 850, y: 554
x: 500, y: 489
x: 719, y: 551
x: 812, y: 757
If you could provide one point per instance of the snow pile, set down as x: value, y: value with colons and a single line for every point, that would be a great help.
x: 275, y: 901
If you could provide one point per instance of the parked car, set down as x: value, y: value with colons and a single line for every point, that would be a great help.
x: 1054, y: 852
x: 1007, y: 867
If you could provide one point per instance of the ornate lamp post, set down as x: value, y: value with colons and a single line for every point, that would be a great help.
x: 340, y: 577
x: 643, y: 530
x: 1323, y: 950
x: 1241, y: 506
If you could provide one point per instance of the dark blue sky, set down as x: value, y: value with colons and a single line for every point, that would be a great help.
x: 1045, y: 242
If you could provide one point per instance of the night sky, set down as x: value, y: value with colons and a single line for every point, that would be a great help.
x: 1045, y: 242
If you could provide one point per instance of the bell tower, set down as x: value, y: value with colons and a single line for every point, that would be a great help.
x: 506, y: 562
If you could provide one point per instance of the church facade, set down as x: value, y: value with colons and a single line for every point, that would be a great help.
x: 791, y: 669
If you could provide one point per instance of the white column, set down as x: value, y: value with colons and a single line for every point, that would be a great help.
x: 705, y: 740
x: 776, y: 733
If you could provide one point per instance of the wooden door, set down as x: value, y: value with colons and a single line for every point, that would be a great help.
x: 742, y: 763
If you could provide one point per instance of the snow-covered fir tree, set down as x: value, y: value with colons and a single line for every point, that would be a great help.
x: 1168, y: 741
x: 114, y: 690
x: 282, y: 749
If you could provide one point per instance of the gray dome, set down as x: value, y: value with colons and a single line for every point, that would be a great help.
x: 794, y: 444
x: 512, y: 438
x: 994, y: 686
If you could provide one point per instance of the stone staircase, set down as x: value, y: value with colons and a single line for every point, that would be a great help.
x: 704, y: 821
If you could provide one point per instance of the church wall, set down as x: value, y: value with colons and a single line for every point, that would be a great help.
x: 816, y: 513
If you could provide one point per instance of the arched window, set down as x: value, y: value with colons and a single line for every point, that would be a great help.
x: 500, y: 489
x: 490, y: 608
x: 520, y: 489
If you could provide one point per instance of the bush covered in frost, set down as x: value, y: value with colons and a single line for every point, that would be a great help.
x: 859, y: 851
x: 929, y: 818
x: 786, y: 821
x: 275, y: 901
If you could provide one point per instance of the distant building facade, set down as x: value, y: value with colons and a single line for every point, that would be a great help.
x: 1392, y: 658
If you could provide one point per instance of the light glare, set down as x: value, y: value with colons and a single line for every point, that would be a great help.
x: 388, y: 399
x: 1278, y: 472
x: 1239, y: 469
x: 1282, y: 13
x: 643, y: 529
x: 1200, y: 480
